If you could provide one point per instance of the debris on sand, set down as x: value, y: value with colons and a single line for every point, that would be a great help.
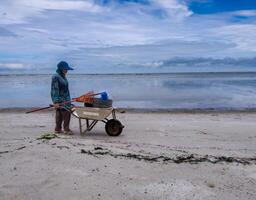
x: 2, y: 152
x: 21, y: 148
x: 203, y: 132
x: 190, y: 158
x: 96, y: 151
x: 63, y: 147
x: 210, y: 184
x: 98, y: 148
x: 48, y: 136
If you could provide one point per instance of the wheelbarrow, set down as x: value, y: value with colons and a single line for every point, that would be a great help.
x: 92, y: 116
x: 98, y: 110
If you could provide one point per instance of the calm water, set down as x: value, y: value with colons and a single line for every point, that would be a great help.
x: 196, y: 90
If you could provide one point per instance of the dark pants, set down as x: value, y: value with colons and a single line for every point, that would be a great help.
x: 62, y: 116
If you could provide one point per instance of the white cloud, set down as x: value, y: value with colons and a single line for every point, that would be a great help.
x: 245, y: 13
x: 174, y: 8
x: 12, y: 65
x: 153, y: 64
x: 87, y: 6
x: 37, y: 30
x: 19, y: 11
x: 243, y: 35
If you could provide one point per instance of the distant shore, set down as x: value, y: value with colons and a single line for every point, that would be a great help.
x: 148, y: 110
x: 187, y: 73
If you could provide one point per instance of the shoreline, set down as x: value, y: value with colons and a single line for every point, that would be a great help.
x: 148, y: 110
x: 186, y: 73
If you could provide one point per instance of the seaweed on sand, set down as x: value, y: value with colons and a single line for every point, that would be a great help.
x: 48, y: 136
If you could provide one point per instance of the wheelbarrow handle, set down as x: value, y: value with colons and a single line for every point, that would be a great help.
x: 44, y: 108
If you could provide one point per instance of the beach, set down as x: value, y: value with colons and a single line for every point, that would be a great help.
x: 179, y: 75
x: 159, y: 155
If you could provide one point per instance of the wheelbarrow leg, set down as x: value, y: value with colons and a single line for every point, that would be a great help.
x: 80, y: 126
x: 87, y: 123
x: 94, y: 122
x: 89, y: 126
x: 114, y: 113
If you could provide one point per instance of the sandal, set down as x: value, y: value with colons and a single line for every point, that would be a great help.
x: 69, y: 132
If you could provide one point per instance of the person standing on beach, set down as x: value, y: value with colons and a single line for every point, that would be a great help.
x: 60, y: 94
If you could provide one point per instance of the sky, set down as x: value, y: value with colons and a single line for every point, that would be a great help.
x: 119, y: 36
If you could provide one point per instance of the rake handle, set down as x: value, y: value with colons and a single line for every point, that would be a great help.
x: 44, y: 108
x: 61, y: 104
x: 50, y: 106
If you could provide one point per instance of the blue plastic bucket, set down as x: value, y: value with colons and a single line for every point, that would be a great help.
x: 104, y: 96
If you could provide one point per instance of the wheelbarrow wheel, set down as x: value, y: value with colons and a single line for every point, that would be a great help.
x: 114, y: 127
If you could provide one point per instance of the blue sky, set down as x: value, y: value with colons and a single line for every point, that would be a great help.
x: 108, y: 36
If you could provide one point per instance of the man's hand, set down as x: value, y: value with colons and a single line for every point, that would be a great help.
x: 56, y: 105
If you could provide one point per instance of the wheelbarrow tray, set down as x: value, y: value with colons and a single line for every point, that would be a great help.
x: 92, y: 113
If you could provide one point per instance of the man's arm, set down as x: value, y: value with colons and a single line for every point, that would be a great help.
x: 55, y: 92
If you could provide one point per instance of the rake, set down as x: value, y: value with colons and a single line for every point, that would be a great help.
x: 86, y: 98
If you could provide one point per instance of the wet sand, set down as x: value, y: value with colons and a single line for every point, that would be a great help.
x: 158, y: 156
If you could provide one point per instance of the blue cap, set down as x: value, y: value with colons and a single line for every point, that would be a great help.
x: 62, y: 65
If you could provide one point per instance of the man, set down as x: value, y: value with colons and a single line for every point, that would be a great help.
x: 60, y: 94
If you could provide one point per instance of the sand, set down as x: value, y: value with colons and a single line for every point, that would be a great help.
x: 158, y: 156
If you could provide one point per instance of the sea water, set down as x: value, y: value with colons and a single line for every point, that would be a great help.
x: 146, y: 91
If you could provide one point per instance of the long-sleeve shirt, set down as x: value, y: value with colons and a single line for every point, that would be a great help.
x: 59, y: 89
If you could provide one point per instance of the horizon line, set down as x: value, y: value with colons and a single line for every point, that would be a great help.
x: 139, y: 73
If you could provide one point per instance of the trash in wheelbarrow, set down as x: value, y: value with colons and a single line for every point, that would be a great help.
x: 99, y: 102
